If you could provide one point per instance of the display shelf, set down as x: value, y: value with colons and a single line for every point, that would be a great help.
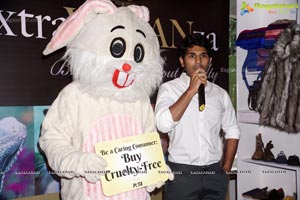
x: 273, y: 164
x: 276, y: 168
x: 248, y: 116
x: 254, y: 173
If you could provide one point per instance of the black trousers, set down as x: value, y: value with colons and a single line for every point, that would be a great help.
x: 196, y: 182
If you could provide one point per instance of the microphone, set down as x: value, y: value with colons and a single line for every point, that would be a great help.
x: 201, y: 97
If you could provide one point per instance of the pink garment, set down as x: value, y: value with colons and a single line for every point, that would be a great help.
x: 272, y: 34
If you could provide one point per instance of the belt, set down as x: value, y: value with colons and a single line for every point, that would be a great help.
x: 190, y: 168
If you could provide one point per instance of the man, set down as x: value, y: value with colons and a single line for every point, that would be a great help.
x: 196, y: 147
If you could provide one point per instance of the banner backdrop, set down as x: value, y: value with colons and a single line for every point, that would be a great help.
x: 28, y: 78
x: 29, y: 82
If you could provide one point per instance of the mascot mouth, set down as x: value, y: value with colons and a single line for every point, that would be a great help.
x: 122, y: 79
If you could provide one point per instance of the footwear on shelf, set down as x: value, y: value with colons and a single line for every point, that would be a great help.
x: 268, y: 155
x: 276, y: 194
x: 255, y: 191
x: 259, y: 149
x: 293, y: 160
x: 281, y: 158
x: 264, y: 194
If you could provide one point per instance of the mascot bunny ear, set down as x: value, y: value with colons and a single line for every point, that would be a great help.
x: 67, y: 31
x: 140, y: 11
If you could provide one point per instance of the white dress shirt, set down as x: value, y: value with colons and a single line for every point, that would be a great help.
x: 195, y: 139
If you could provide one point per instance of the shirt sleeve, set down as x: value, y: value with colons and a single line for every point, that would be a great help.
x: 229, y: 121
x: 163, y: 117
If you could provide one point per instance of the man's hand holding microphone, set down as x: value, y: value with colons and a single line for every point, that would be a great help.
x: 197, y: 84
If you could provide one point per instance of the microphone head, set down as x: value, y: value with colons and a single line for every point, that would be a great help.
x: 202, y: 107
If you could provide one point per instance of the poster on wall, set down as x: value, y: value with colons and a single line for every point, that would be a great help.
x: 29, y: 81
x: 24, y: 171
x: 16, y: 152
x: 29, y: 78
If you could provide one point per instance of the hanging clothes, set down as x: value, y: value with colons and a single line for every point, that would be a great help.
x: 279, y: 96
x: 258, y: 43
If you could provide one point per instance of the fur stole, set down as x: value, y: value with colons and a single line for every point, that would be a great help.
x: 279, y: 95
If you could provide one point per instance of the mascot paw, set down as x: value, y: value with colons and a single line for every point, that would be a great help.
x: 151, y: 188
x: 171, y: 175
x: 94, y: 166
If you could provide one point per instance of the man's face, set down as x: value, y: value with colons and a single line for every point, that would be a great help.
x: 195, y: 57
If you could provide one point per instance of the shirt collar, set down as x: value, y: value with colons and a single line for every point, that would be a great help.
x: 185, y: 78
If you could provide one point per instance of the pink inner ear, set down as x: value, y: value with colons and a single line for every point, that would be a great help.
x: 71, y: 26
x: 141, y: 11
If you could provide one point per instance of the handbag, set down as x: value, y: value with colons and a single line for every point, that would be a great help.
x: 253, y: 93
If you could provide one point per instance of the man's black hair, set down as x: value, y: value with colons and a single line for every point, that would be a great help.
x: 194, y: 40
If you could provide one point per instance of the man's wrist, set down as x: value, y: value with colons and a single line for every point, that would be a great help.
x: 226, y: 168
x: 190, y: 92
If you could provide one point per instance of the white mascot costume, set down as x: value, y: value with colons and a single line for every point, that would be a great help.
x: 115, y: 61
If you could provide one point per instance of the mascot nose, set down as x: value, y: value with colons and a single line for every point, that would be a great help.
x: 126, y: 67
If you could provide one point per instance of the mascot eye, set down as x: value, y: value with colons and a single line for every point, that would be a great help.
x: 117, y: 47
x: 138, y: 53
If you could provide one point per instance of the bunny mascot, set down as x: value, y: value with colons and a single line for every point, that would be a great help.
x: 115, y: 61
